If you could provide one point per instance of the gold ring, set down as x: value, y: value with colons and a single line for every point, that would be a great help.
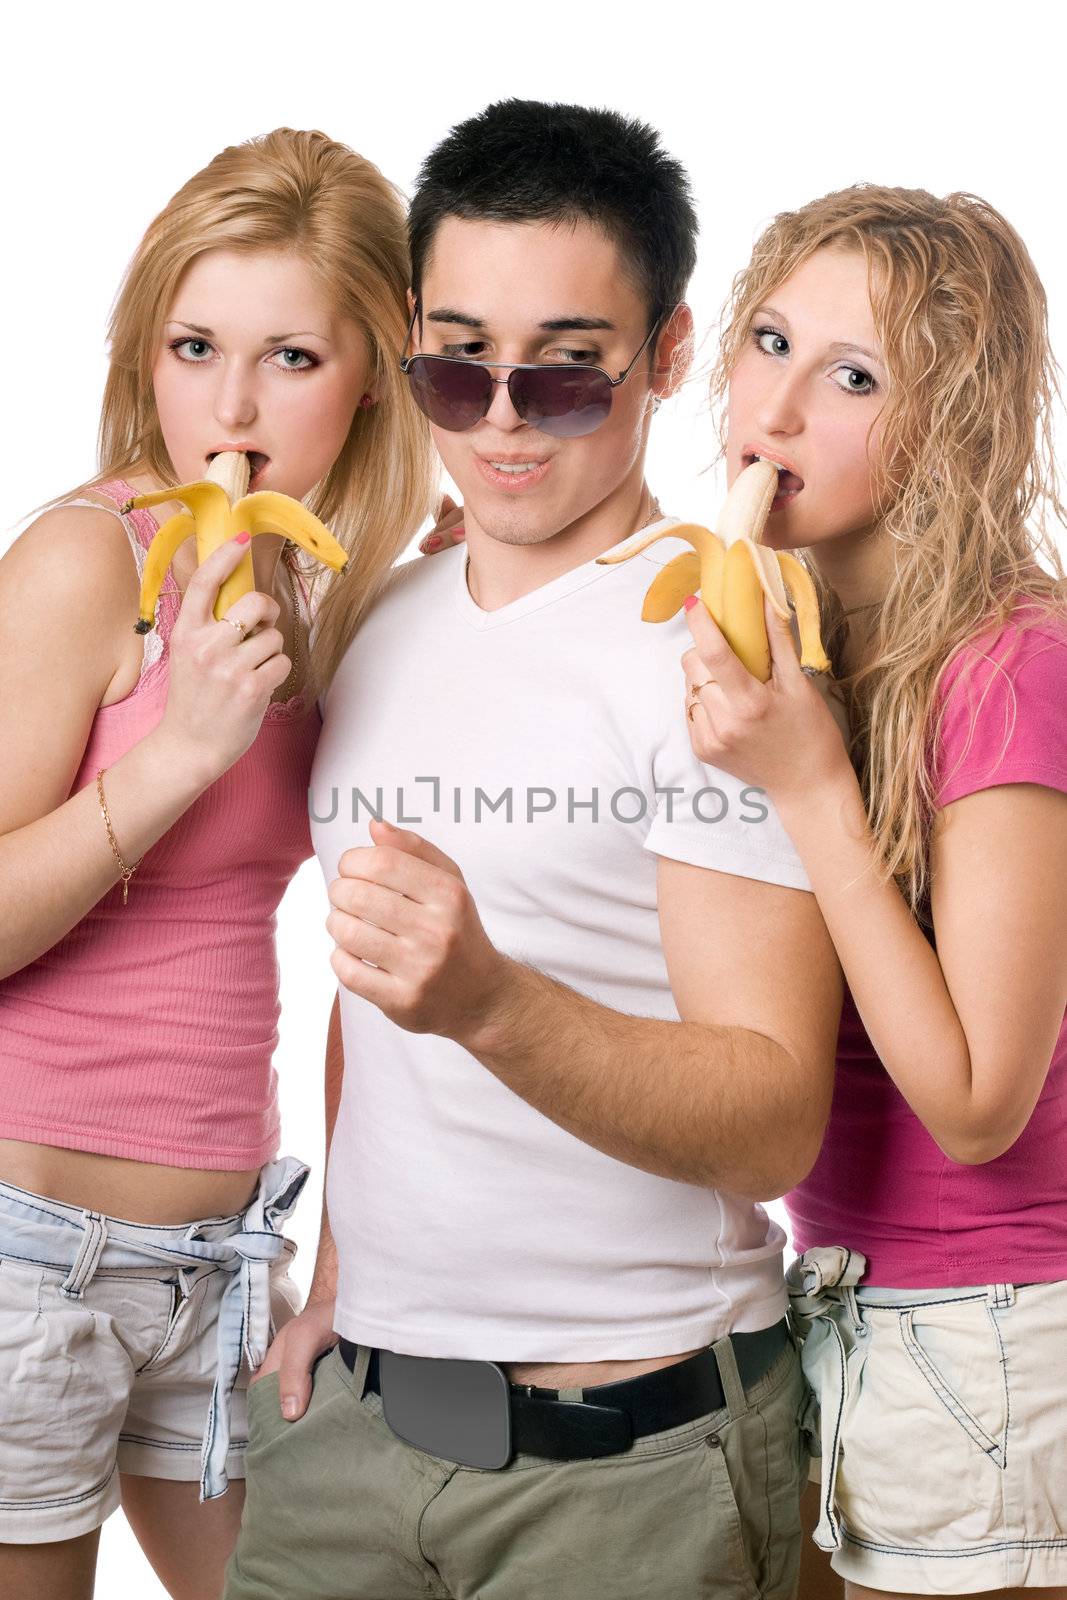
x: 234, y: 623
x: 694, y: 699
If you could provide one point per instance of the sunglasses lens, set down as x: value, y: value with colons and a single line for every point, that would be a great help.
x: 560, y: 402
x: 453, y: 394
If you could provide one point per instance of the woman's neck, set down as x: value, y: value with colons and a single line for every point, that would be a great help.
x: 859, y: 569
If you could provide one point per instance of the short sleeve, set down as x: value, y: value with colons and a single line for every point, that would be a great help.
x: 708, y: 818
x: 1003, y: 715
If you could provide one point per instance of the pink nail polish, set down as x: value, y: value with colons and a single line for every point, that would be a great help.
x: 433, y: 543
x: 242, y: 538
x: 690, y: 601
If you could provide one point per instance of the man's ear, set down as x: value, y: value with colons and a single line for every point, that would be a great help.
x: 674, y: 352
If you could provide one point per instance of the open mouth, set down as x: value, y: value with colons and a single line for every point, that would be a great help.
x: 790, y: 483
x: 257, y: 464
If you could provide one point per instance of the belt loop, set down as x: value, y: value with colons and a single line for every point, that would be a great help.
x: 732, y: 1387
x: 87, y: 1260
x: 1001, y: 1296
x: 849, y: 1293
x: 359, y: 1371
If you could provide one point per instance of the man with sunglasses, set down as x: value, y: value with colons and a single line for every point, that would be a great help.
x: 589, y: 1006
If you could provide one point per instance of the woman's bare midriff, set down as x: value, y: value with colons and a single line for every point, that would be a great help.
x: 574, y: 1375
x: 135, y: 1191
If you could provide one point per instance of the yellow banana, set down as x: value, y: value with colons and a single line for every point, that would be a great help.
x: 733, y: 571
x: 220, y: 507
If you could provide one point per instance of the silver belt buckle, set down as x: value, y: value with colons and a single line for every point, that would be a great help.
x: 459, y: 1410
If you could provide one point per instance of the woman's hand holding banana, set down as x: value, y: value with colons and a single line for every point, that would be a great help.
x: 222, y: 673
x: 222, y: 677
x: 780, y: 736
x: 219, y: 507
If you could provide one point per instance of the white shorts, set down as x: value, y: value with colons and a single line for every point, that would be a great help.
x: 111, y: 1345
x: 942, y: 1420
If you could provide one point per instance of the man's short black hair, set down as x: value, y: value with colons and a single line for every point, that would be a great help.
x: 529, y: 161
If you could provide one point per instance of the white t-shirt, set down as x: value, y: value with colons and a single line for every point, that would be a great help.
x: 468, y: 1223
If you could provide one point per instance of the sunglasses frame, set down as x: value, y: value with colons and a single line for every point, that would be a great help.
x: 522, y: 366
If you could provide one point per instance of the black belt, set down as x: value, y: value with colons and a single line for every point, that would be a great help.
x: 611, y: 1415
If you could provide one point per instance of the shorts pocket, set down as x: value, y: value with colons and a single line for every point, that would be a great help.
x: 765, y: 1458
x: 925, y: 1426
x: 260, y: 1389
x: 263, y: 1410
x: 734, y: 1578
x: 64, y: 1378
x: 982, y: 1366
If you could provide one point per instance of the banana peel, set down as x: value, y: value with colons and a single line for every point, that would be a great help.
x: 732, y: 572
x: 219, y: 506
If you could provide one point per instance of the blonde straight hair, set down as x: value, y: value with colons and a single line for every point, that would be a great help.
x: 298, y: 191
x: 962, y: 318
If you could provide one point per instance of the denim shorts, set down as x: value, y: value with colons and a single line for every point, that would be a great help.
x: 127, y: 1347
x: 938, y: 1415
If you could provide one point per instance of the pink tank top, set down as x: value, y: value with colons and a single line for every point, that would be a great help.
x: 881, y: 1184
x: 148, y: 1031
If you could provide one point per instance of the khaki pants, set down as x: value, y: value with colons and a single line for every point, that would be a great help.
x: 339, y: 1508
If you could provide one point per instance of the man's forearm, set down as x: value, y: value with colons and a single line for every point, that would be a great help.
x: 324, y: 1277
x: 723, y: 1107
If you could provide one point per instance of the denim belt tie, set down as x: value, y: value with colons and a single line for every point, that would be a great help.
x: 244, y: 1311
x: 831, y: 1362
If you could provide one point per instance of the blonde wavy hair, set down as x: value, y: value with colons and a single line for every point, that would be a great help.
x: 292, y: 190
x: 962, y: 319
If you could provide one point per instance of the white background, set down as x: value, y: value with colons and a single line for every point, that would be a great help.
x: 108, y: 108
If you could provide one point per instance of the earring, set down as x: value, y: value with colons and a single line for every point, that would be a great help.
x: 366, y: 401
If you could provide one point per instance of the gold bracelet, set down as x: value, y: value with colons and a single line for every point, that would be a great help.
x: 127, y: 872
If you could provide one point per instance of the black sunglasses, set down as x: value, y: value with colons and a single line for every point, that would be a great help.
x: 564, y: 401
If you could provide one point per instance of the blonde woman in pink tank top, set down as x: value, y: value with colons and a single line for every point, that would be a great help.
x: 142, y: 1266
x: 889, y: 351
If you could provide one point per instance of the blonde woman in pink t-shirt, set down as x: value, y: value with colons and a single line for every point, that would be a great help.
x: 153, y: 807
x: 889, y: 351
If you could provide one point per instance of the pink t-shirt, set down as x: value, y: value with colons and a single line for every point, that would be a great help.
x: 881, y: 1185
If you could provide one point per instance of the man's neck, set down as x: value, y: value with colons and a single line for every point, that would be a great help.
x: 500, y: 573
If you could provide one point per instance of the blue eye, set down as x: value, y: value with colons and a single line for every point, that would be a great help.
x: 856, y: 380
x: 202, y: 345
x: 199, y: 349
x: 771, y: 342
x: 303, y: 355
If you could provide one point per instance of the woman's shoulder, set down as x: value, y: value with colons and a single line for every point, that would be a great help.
x: 1030, y: 641
x: 72, y: 561
x: 1001, y: 702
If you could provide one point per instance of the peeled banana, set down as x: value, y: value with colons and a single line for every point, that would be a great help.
x: 220, y: 507
x: 732, y: 571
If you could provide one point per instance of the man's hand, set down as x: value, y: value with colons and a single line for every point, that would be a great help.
x: 294, y: 1352
x: 402, y: 905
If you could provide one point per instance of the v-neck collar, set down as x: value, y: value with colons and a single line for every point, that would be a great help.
x: 547, y: 593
